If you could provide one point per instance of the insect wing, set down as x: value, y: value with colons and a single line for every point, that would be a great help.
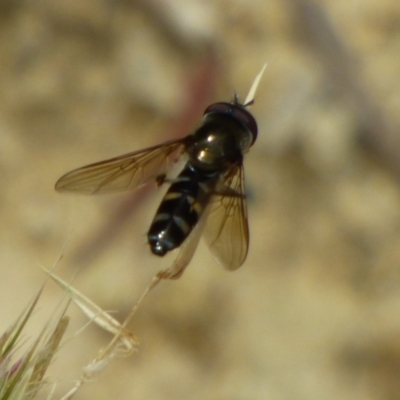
x: 125, y: 172
x: 186, y: 251
x: 227, y: 231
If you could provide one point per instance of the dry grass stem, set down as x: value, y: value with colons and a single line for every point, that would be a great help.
x: 22, y: 379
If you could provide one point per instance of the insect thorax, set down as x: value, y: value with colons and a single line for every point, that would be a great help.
x: 218, y: 143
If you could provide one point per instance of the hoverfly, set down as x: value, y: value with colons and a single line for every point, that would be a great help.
x: 208, y: 194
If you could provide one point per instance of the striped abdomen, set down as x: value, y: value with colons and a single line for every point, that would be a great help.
x: 180, y: 209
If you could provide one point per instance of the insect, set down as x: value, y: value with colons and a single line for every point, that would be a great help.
x: 208, y: 194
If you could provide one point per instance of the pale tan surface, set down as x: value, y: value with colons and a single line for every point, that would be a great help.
x: 315, y: 311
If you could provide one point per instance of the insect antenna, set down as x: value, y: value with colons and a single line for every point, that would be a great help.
x: 250, y: 97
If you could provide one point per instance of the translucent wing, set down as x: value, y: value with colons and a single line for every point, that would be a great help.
x: 227, y: 231
x: 186, y: 251
x: 125, y: 172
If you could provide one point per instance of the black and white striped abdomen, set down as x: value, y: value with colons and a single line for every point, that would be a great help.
x: 180, y: 209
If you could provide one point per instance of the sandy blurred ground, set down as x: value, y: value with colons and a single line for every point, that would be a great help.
x: 315, y: 311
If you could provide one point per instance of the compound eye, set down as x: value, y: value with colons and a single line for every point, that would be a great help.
x: 238, y: 112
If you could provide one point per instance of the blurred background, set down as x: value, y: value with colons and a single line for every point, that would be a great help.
x: 314, y: 313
